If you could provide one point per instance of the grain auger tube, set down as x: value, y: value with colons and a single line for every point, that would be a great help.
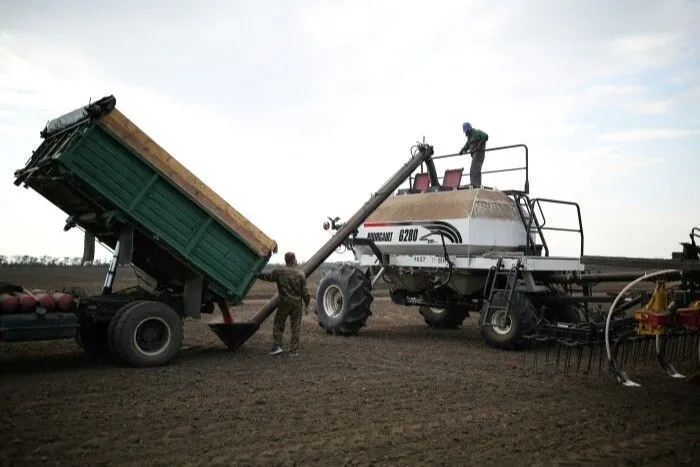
x: 235, y: 334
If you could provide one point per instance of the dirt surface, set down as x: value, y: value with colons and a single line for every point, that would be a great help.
x: 398, y: 393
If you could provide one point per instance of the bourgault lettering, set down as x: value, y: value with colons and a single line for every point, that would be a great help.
x: 380, y: 236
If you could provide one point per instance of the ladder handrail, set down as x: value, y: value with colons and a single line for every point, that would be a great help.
x: 530, y: 243
x: 538, y: 201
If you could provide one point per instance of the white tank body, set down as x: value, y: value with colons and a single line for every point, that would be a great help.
x: 471, y: 222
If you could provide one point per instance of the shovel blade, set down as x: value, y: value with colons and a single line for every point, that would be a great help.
x: 234, y: 335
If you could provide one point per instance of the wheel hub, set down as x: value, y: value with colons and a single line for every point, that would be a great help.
x: 501, y: 322
x: 152, y: 336
x: 333, y: 301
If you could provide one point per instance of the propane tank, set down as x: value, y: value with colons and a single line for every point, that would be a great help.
x: 63, y: 301
x: 46, y: 300
x: 9, y: 302
x: 26, y: 302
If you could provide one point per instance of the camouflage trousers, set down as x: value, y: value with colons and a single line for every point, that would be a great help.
x: 291, y: 310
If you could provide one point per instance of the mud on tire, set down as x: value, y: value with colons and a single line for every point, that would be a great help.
x: 508, y: 334
x: 444, y: 318
x: 343, y: 300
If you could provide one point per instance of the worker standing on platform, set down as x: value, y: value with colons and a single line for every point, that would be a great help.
x: 476, y: 145
x: 291, y: 286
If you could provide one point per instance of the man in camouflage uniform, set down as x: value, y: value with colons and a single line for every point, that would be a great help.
x: 476, y: 145
x: 291, y: 286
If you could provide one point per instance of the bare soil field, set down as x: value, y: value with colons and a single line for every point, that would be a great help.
x: 397, y: 393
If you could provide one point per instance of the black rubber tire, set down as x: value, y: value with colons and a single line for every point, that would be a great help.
x: 348, y: 285
x: 92, y: 338
x: 113, y: 326
x: 522, y: 315
x: 564, y: 313
x: 444, y: 318
x: 125, y: 344
x: 570, y: 314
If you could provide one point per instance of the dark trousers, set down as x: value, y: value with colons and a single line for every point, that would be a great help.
x: 478, y: 156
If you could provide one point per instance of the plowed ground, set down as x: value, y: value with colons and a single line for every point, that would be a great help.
x: 398, y: 393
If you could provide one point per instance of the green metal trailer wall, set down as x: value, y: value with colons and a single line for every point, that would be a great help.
x: 146, y: 198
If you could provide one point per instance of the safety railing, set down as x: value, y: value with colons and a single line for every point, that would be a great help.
x: 524, y: 168
x: 541, y: 224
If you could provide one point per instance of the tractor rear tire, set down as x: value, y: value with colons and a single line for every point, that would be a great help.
x: 508, y: 335
x: 343, y: 300
x: 444, y: 318
x: 147, y: 333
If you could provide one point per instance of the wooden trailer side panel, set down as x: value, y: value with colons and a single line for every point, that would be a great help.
x: 129, y: 133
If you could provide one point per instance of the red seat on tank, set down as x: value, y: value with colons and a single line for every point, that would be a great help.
x: 421, y: 182
x: 452, y: 179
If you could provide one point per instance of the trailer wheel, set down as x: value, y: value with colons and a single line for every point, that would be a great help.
x: 343, y: 300
x: 111, y: 329
x: 505, y: 330
x: 147, y: 333
x: 92, y: 338
x: 444, y: 318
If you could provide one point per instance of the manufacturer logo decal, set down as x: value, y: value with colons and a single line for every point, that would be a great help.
x: 436, y: 228
x: 380, y: 236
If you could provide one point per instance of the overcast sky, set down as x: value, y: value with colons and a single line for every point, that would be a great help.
x: 320, y: 102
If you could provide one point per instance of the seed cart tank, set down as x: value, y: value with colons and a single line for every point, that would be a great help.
x: 441, y: 223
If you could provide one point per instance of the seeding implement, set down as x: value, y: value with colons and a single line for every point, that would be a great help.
x: 448, y: 249
x: 452, y: 249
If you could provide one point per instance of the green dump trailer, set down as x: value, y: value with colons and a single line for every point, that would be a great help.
x: 192, y: 250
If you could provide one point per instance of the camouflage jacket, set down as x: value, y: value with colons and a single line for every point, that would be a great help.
x: 291, y: 283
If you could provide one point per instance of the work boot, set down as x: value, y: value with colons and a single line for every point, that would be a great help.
x: 276, y: 350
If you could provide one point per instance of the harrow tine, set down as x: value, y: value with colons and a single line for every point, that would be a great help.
x: 567, y: 360
x: 645, y: 358
x: 579, y: 357
x: 673, y: 340
x: 624, y: 353
x: 635, y: 356
x: 600, y: 360
x: 536, y: 355
x: 591, y: 351
x: 684, y: 346
x: 661, y: 357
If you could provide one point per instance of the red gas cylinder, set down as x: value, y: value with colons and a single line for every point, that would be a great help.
x: 46, y: 300
x: 26, y: 302
x: 9, y: 302
x: 63, y: 301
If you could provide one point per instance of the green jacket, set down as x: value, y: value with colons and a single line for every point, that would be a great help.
x: 476, y: 136
x: 291, y: 283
